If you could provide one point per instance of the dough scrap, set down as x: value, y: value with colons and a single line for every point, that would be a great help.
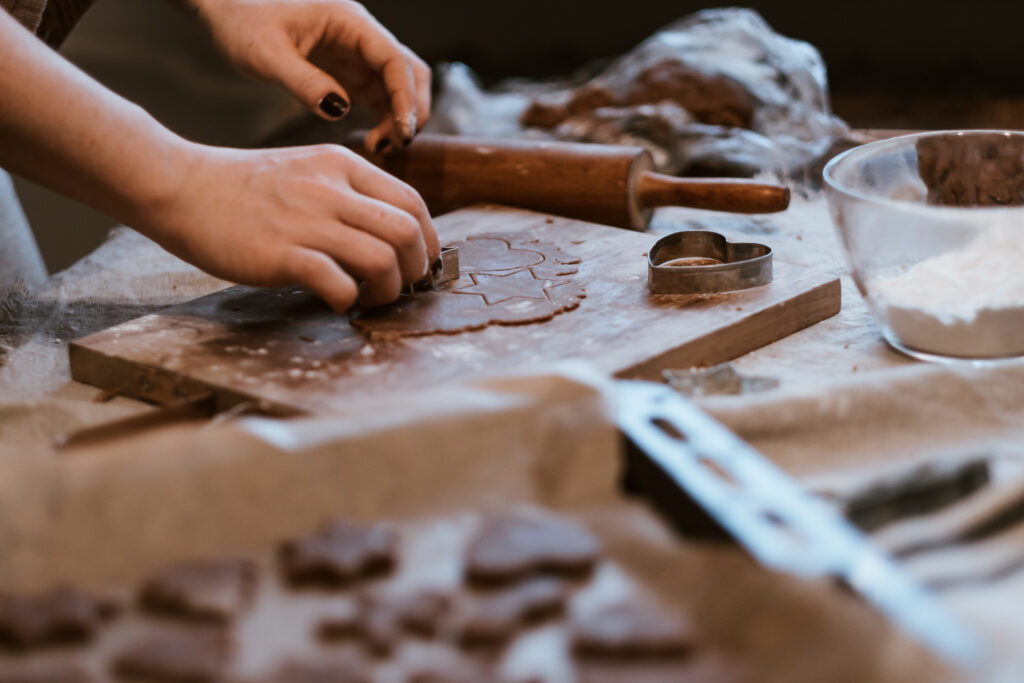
x: 503, y: 281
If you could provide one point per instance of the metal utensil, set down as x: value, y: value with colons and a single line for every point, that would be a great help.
x: 444, y: 269
x: 701, y: 262
x: 681, y: 450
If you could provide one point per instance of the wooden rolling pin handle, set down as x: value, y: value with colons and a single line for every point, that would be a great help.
x: 716, y: 194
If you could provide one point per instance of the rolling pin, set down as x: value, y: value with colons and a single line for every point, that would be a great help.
x: 604, y: 184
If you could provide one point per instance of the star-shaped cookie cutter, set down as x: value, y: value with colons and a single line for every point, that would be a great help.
x: 702, y: 262
x: 444, y: 269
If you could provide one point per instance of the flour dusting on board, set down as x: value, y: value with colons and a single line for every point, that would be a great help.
x: 967, y: 302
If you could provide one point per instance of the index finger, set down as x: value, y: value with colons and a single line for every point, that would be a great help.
x: 372, y: 181
x: 385, y: 55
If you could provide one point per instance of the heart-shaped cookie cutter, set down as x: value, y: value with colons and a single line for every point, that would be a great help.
x: 701, y: 262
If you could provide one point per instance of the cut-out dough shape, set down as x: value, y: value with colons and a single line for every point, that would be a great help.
x: 502, y: 281
x: 493, y: 253
x: 500, y: 287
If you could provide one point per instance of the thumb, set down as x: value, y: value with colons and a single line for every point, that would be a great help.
x: 311, y: 86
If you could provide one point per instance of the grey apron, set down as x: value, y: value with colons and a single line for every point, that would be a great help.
x: 19, y: 256
x: 51, y: 20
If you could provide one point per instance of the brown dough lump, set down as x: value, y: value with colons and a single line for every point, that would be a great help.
x: 975, y: 170
x: 710, y: 98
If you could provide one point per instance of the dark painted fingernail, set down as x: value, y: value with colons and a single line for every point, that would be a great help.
x: 334, y: 105
x: 381, y: 145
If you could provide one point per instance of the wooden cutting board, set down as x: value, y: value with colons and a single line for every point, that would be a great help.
x: 288, y: 350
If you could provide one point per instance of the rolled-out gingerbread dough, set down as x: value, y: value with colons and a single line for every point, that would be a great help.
x: 503, y: 280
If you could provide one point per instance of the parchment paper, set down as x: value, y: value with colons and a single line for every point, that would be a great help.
x: 99, y: 516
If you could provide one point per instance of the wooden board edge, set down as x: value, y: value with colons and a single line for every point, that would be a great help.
x: 746, y: 335
x: 155, y: 385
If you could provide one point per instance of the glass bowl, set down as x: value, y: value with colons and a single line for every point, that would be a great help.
x: 933, y: 229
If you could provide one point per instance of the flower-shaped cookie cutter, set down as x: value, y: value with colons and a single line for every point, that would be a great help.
x: 701, y: 262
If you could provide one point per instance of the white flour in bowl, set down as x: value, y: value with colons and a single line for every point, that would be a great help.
x: 968, y: 302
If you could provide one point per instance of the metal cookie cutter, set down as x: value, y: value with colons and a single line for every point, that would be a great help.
x: 444, y: 269
x: 699, y: 262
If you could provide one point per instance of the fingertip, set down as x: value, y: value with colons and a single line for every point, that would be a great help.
x: 433, y: 244
x: 396, y: 139
x: 325, y: 278
x: 406, y: 128
x: 341, y: 303
x: 376, y: 143
x: 333, y: 106
x: 370, y: 298
x: 370, y: 141
x: 379, y: 140
x: 312, y: 86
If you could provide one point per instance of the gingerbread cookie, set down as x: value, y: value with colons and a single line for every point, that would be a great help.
x: 342, y: 623
x: 62, y: 616
x: 339, y: 553
x: 207, y: 590
x: 494, y: 618
x: 381, y: 629
x: 197, y: 655
x: 503, y: 281
x: 381, y: 621
x: 631, y: 630
x: 510, y: 547
x: 422, y: 612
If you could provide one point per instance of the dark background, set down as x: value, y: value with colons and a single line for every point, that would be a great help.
x: 866, y: 44
x: 891, y: 64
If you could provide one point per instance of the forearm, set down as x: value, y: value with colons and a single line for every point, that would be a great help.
x: 321, y: 215
x: 65, y: 131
